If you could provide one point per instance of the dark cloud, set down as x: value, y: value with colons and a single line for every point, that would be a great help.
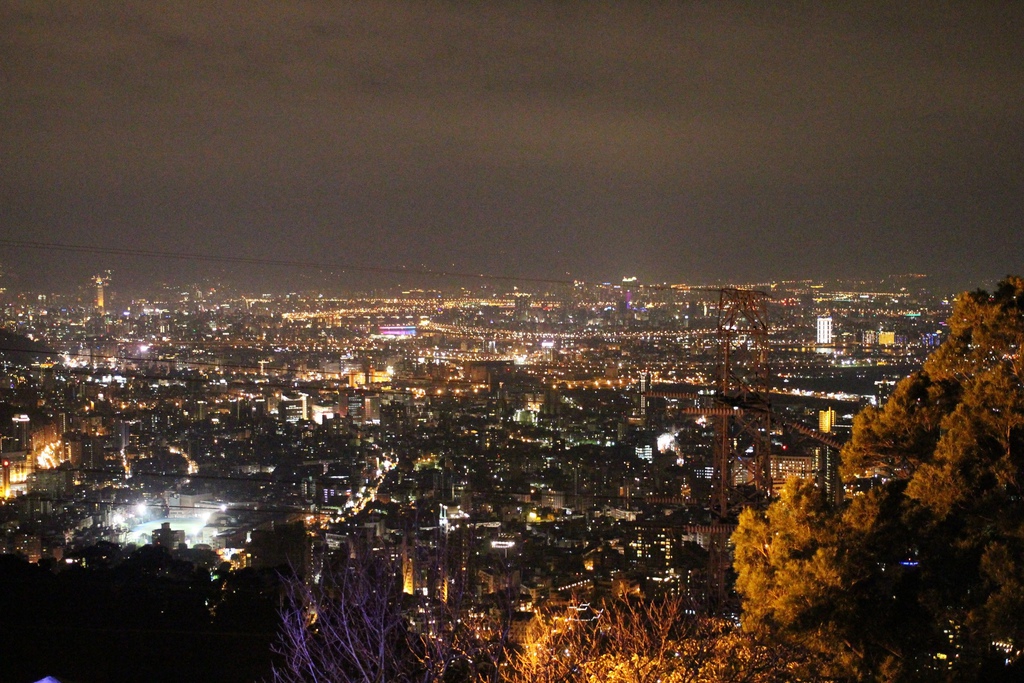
x: 676, y: 141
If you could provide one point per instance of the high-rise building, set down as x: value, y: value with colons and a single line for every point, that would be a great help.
x: 101, y: 282
x: 522, y: 307
x: 825, y: 329
x: 294, y: 408
x: 783, y: 467
x: 826, y: 420
x: 356, y: 406
x: 22, y: 432
x: 645, y: 386
x: 826, y: 465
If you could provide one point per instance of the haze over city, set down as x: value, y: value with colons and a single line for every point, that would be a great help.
x: 677, y: 143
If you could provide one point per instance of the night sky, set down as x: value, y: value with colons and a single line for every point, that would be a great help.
x: 680, y: 142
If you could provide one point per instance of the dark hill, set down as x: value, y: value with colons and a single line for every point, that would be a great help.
x: 20, y: 350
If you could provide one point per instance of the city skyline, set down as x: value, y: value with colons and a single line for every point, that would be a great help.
x: 319, y: 284
x: 696, y: 143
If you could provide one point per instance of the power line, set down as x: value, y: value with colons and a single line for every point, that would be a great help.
x: 136, y: 359
x: 246, y: 260
x: 185, y: 379
x: 503, y: 496
x: 234, y: 382
x: 231, y: 509
x: 130, y: 359
x: 221, y: 477
x: 205, y: 633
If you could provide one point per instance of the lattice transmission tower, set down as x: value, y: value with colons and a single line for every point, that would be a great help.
x: 742, y: 449
x: 742, y: 453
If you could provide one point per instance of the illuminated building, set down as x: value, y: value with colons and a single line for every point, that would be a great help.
x: 825, y: 329
x: 887, y: 338
x: 294, y: 409
x: 826, y: 463
x: 29, y: 546
x: 453, y: 551
x: 101, y: 282
x: 355, y: 408
x: 321, y: 413
x: 522, y: 307
x: 552, y: 499
x: 371, y: 409
x: 645, y: 385
x: 368, y: 376
x: 785, y: 466
x: 22, y: 432
x: 826, y: 420
x: 408, y: 568
x: 397, y: 330
x: 653, y: 544
x: 84, y: 451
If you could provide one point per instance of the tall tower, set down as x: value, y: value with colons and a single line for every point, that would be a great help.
x: 743, y: 423
x: 742, y: 434
x: 101, y: 282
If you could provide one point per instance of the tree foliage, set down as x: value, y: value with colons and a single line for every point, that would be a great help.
x: 635, y: 641
x: 923, y: 576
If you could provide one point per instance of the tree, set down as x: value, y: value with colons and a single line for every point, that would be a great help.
x: 357, y: 625
x: 832, y: 584
x: 922, y: 576
x: 349, y: 628
x: 645, y: 641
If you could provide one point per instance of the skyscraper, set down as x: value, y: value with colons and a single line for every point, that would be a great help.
x: 101, y: 282
x: 826, y: 420
x: 645, y: 386
x: 825, y: 329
